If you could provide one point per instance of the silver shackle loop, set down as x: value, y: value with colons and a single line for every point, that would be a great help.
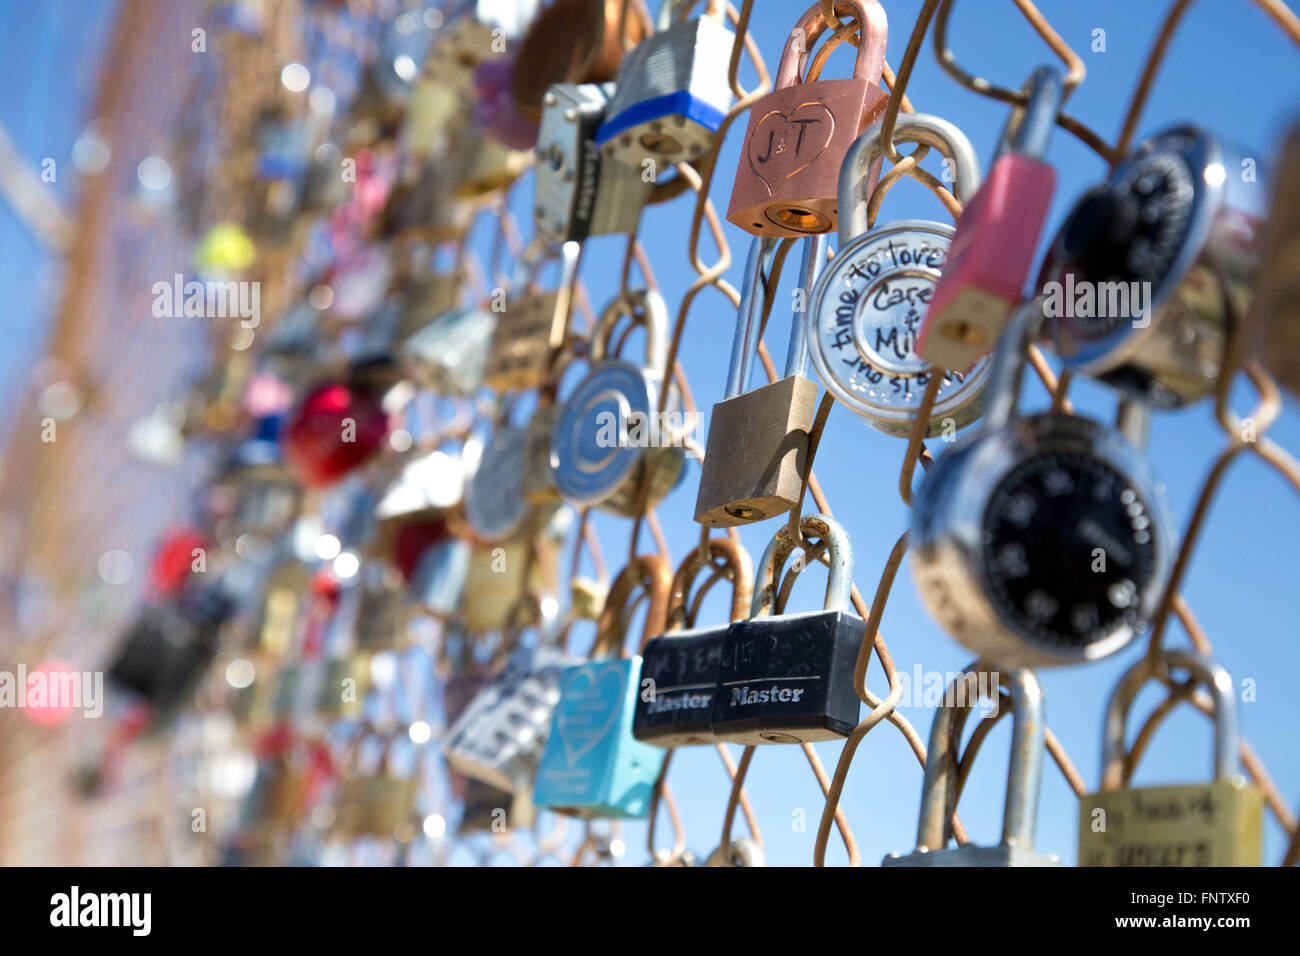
x: 839, y: 556
x: 753, y: 288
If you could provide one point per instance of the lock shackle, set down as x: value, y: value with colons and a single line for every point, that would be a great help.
x: 753, y: 288
x: 1024, y: 775
x: 742, y: 578
x: 873, y: 33
x: 1029, y: 128
x: 670, y: 10
x: 1205, y: 670
x: 648, y: 308
x: 839, y: 556
x: 650, y: 573
x: 922, y: 128
x: 1007, y: 370
x: 810, y: 270
x: 537, y: 255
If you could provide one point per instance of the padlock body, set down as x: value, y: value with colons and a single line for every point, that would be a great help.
x: 592, y: 765
x: 787, y: 180
x: 521, y: 341
x: 1001, y: 855
x: 1213, y: 824
x: 671, y: 96
x: 757, y: 455
x: 440, y: 575
x: 788, y: 679
x: 539, y: 485
x: 990, y: 256
x: 684, y: 669
x: 450, y: 354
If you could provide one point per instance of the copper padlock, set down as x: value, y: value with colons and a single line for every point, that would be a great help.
x: 575, y: 41
x: 798, y: 134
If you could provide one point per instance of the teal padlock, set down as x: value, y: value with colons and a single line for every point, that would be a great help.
x: 592, y: 765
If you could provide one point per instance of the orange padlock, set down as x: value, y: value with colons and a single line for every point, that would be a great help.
x: 798, y: 134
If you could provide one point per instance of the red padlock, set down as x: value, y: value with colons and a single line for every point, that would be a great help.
x: 335, y: 429
x: 996, y: 237
x: 173, y: 561
x: 787, y: 180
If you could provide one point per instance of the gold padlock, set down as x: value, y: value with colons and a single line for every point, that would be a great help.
x: 1208, y: 824
x: 533, y: 323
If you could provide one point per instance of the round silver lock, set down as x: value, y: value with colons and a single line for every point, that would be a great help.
x: 592, y: 452
x: 494, y: 502
x: 863, y: 324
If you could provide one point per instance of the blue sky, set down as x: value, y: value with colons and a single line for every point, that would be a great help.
x: 1228, y: 69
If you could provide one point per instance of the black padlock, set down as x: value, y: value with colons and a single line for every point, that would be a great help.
x: 679, y: 669
x: 788, y: 678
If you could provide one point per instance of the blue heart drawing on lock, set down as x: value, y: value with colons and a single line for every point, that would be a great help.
x: 589, y: 707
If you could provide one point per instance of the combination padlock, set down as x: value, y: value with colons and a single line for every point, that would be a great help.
x: 788, y: 678
x: 498, y: 738
x: 1137, y: 283
x: 610, y: 440
x: 1040, y: 540
x: 578, y: 191
x: 799, y: 133
x: 757, y: 451
x: 672, y: 90
x: 942, y: 785
x: 1275, y: 309
x: 676, y: 708
x: 592, y: 765
x: 868, y: 306
x: 1207, y: 824
x: 533, y: 323
x: 997, y: 235
x: 577, y: 42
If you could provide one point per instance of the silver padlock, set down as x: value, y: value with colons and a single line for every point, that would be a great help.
x: 450, y: 354
x: 868, y: 306
x: 499, y: 737
x: 941, y: 788
x: 672, y: 91
x: 494, y: 499
x: 599, y: 457
x: 741, y: 852
x: 1137, y: 279
x: 425, y: 486
x: 1039, y: 540
x: 438, y: 581
x: 579, y: 193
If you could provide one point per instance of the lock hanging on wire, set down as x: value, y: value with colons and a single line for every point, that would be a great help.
x: 1275, y: 307
x: 533, y: 323
x: 1040, y: 540
x: 997, y: 235
x: 672, y: 91
x: 870, y: 302
x: 942, y: 787
x: 1206, y: 824
x: 757, y: 452
x: 799, y: 133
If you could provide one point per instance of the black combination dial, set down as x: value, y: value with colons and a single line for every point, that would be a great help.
x: 1069, y: 549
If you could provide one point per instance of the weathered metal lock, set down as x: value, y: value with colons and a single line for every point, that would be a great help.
x: 867, y: 309
x: 1040, y: 540
x: 757, y: 457
x: 497, y: 574
x: 1208, y: 824
x: 533, y: 323
x: 676, y: 708
x: 610, y: 440
x: 592, y: 765
x: 377, y: 799
x: 1138, y: 280
x: 942, y: 786
x: 997, y: 236
x: 499, y: 737
x: 788, y: 678
x: 799, y: 133
x: 575, y: 41
x: 1275, y: 309
x: 579, y: 191
x: 672, y: 90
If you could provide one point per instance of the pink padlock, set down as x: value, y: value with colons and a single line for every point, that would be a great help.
x: 996, y: 237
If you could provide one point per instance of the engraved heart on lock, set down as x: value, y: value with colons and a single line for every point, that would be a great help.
x: 595, y: 690
x: 786, y: 142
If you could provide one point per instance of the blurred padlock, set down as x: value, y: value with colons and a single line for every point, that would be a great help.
x: 533, y: 323
x: 757, y: 454
x: 494, y: 499
x: 334, y: 430
x: 484, y: 165
x: 672, y: 90
x: 476, y: 32
x: 1275, y: 310
x: 799, y: 133
x: 942, y: 785
x: 1206, y: 824
x: 579, y: 191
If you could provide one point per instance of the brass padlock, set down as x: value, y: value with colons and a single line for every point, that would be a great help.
x: 496, y: 575
x: 1207, y: 824
x: 533, y: 324
x: 482, y: 165
x: 798, y: 134
x: 757, y: 453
